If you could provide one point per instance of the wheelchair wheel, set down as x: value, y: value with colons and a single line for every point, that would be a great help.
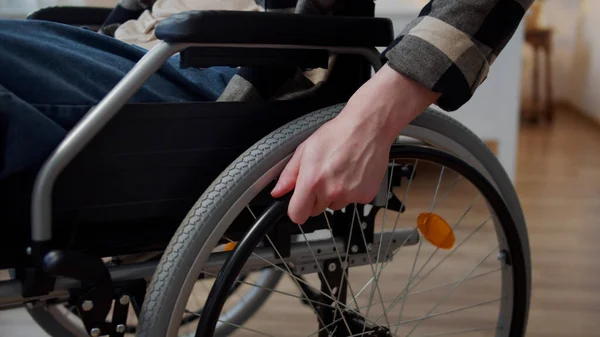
x: 323, y: 248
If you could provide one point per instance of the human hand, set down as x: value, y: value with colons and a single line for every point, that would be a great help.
x: 345, y: 160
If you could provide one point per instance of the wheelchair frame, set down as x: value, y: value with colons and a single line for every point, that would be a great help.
x: 36, y: 285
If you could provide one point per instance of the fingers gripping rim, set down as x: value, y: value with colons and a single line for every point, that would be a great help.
x: 197, y: 229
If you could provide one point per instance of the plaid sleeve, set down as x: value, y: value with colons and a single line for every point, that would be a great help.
x: 450, y: 47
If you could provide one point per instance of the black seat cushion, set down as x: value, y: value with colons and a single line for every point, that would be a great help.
x: 275, y: 28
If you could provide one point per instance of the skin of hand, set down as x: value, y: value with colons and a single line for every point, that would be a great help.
x: 345, y: 160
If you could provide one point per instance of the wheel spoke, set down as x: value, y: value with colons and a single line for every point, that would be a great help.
x: 458, y: 332
x: 361, y: 334
x: 408, y: 286
x: 336, y: 303
x: 395, y: 223
x: 437, y: 188
x: 404, y: 198
x: 454, y: 288
x: 449, y: 311
x: 245, y: 328
x: 437, y: 249
x: 251, y: 213
x: 325, y: 327
x: 295, y: 279
x: 443, y: 197
x: 376, y: 282
x: 452, y: 251
x: 233, y: 324
x: 387, y: 200
x: 412, y: 270
x: 451, y: 283
x: 275, y: 291
x: 375, y: 274
x: 342, y: 263
x: 442, y: 285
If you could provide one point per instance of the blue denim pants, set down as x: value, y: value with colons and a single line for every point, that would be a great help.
x: 51, y: 74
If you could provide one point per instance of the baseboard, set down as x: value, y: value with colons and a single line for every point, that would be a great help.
x: 566, y: 105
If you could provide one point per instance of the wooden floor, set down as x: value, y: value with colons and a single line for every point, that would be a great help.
x: 558, y: 182
x: 559, y: 186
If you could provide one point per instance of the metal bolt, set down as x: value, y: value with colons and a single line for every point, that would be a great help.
x: 370, y: 247
x: 95, y: 332
x: 332, y: 267
x: 28, y: 250
x: 87, y: 305
x: 121, y: 328
x: 354, y: 248
x: 124, y: 300
x: 363, y: 225
x: 502, y: 256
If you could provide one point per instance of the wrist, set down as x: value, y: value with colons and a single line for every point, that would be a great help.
x: 407, y: 97
x: 388, y: 102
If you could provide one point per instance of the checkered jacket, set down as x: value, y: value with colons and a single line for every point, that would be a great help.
x: 448, y: 48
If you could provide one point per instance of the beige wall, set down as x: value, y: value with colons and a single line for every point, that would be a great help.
x: 576, y: 54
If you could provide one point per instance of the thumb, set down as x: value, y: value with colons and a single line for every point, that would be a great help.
x: 287, y: 179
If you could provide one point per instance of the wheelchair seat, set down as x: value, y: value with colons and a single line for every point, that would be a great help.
x: 142, y: 174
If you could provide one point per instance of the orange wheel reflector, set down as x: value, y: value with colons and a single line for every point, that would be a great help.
x: 229, y: 246
x: 436, y: 230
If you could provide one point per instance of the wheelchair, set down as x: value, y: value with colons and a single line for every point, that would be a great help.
x: 156, y: 219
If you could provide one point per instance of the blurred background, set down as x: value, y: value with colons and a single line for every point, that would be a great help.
x: 539, y: 110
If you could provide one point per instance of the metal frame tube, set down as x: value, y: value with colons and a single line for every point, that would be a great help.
x: 10, y: 291
x: 83, y: 132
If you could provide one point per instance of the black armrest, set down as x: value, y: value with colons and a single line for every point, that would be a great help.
x: 239, y: 27
x: 72, y: 15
